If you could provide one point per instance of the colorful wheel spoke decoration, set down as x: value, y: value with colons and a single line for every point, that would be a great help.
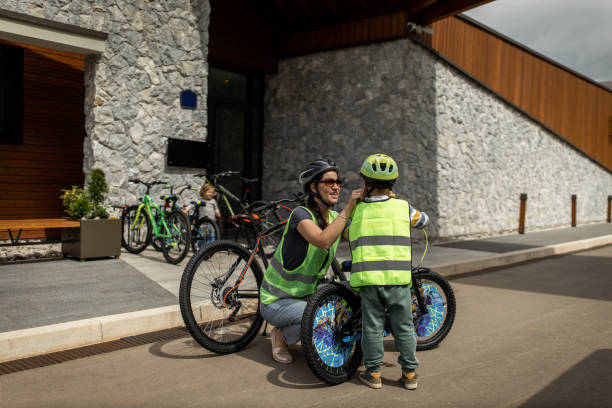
x: 329, y: 318
x: 432, y: 321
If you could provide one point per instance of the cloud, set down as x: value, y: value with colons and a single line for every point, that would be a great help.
x: 575, y: 34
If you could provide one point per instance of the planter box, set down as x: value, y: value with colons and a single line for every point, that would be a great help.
x: 94, y: 239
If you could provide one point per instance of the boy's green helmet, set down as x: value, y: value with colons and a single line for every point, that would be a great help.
x: 379, y: 167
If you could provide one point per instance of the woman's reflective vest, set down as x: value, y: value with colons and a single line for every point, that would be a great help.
x: 279, y: 283
x: 379, y: 236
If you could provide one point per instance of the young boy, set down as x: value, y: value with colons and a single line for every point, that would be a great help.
x: 379, y: 236
x: 211, y: 209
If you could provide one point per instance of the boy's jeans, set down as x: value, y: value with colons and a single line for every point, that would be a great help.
x: 398, y: 302
x: 286, y: 314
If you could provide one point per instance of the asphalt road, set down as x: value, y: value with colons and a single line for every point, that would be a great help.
x: 534, y: 335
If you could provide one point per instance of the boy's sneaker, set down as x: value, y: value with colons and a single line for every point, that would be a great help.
x: 372, y: 380
x: 410, y: 380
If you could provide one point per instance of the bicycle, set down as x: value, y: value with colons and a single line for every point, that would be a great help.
x: 203, y: 229
x: 259, y: 211
x: 219, y: 301
x: 140, y: 225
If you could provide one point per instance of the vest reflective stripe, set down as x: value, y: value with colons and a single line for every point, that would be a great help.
x: 273, y: 290
x: 380, y: 266
x: 381, y: 244
x: 382, y: 240
x: 308, y: 279
x: 279, y: 283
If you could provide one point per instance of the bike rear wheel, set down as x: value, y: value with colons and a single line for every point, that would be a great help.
x: 135, y: 231
x: 439, y: 298
x: 176, y: 246
x: 220, y: 305
x: 204, y: 232
x: 331, y: 357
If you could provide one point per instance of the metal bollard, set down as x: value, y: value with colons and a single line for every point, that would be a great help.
x: 573, y: 210
x: 609, y: 208
x: 521, y: 228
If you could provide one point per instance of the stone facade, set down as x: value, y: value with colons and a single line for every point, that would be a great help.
x: 155, y: 49
x: 465, y: 155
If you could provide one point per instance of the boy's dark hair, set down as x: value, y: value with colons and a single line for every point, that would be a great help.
x: 378, y: 184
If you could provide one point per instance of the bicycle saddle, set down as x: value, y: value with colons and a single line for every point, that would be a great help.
x: 245, y: 218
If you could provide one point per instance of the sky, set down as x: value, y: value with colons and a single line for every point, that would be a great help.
x: 577, y: 34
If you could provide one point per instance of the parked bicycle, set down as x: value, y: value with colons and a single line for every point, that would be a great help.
x: 203, y: 229
x: 146, y: 221
x: 219, y: 301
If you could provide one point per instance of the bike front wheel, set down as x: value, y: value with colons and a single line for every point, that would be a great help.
x: 204, y: 232
x: 176, y: 246
x: 333, y: 357
x: 219, y: 297
x: 135, y: 230
x: 438, y: 296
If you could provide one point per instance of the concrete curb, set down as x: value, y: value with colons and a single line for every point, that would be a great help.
x: 63, y: 336
x: 515, y: 257
x: 46, y: 339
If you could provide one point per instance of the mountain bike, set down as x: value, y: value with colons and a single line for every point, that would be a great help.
x: 219, y: 292
x: 219, y: 301
x: 140, y: 225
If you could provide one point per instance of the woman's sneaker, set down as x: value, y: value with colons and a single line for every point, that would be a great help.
x: 372, y: 380
x: 410, y: 380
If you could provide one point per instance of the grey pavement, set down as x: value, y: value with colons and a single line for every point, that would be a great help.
x: 35, y: 294
x: 531, y: 335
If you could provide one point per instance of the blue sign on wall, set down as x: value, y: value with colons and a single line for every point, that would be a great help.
x: 189, y: 100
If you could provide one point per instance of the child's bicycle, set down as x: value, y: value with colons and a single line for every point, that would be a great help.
x: 140, y: 226
x: 219, y: 301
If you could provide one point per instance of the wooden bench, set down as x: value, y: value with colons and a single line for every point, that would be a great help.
x: 16, y: 227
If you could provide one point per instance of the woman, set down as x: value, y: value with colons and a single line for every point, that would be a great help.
x: 304, y: 254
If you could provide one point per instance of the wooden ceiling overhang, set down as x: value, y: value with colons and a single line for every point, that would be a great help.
x: 273, y: 29
x: 313, y: 25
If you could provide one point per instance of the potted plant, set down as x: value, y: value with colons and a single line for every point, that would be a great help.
x: 99, y: 236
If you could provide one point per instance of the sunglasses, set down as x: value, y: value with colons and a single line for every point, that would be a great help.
x: 330, y: 182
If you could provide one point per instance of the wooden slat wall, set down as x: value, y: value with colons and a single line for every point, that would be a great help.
x: 51, y: 156
x: 573, y: 107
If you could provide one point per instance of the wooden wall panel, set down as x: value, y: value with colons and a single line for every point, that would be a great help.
x: 50, y: 159
x: 571, y: 105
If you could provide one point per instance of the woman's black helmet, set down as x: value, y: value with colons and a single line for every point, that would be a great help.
x: 314, y: 169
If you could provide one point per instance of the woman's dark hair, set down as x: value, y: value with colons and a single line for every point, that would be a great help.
x: 312, y: 204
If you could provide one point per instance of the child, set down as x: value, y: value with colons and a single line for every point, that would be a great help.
x: 211, y: 208
x: 379, y: 236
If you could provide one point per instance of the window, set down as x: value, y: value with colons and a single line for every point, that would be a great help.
x: 11, y: 94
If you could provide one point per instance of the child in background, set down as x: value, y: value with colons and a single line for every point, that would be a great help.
x: 211, y: 209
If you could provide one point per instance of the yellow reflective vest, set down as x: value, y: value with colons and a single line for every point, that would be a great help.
x: 279, y: 283
x: 379, y: 236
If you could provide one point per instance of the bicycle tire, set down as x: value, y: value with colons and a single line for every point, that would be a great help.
x: 200, y: 294
x: 332, y: 359
x: 137, y: 239
x: 439, y: 299
x: 176, y: 248
x: 203, y: 232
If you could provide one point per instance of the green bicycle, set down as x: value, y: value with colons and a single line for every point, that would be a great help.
x: 140, y: 225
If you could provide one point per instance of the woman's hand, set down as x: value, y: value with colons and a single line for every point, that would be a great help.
x: 356, y: 196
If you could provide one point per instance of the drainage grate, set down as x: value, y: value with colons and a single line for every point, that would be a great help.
x: 87, y: 351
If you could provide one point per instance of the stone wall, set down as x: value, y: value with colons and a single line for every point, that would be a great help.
x: 346, y: 105
x: 465, y: 155
x: 155, y: 49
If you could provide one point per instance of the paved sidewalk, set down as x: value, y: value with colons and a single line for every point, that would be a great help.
x: 54, y: 305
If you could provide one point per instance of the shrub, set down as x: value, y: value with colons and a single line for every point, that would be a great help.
x: 80, y: 203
